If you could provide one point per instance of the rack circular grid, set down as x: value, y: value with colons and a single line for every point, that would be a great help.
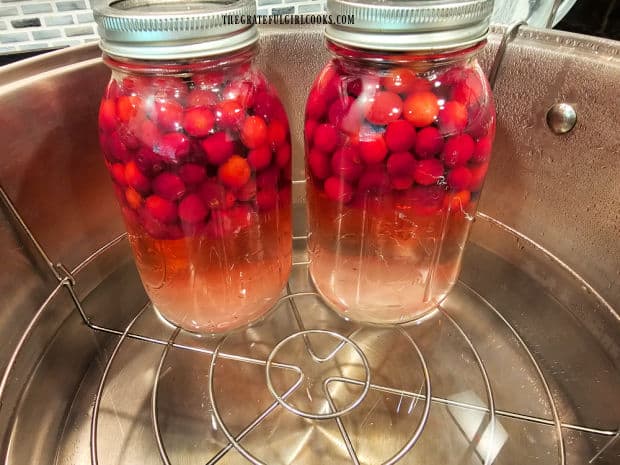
x: 487, y: 427
x: 280, y: 400
x: 289, y: 303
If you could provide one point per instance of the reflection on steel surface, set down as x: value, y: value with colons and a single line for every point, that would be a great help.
x: 487, y: 438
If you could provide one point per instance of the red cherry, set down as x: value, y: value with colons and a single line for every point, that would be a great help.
x: 209, y: 79
x: 319, y: 164
x: 386, y: 107
x: 148, y: 133
x: 283, y: 155
x: 168, y: 114
x: 192, y: 173
x: 400, y: 136
x: 459, y: 178
x: 218, y: 147
x: 127, y: 107
x: 117, y: 170
x: 375, y: 180
x: 247, y: 192
x: 128, y: 137
x: 148, y: 161
x: 198, y: 121
x: 421, y: 84
x: 429, y: 142
x: 202, y: 98
x: 161, y: 209
x: 173, y: 146
x: 116, y: 148
x: 453, y: 75
x: 326, y: 137
x: 267, y: 199
x: 338, y: 109
x: 267, y: 106
x: 346, y: 163
x: 316, y: 105
x: 468, y: 90
x: 192, y: 209
x: 338, y: 190
x: 277, y: 134
x: 242, y: 91
x: 457, y: 201
x: 278, y: 113
x: 235, y: 172
x: 107, y: 115
x: 401, y: 164
x: 482, y: 151
x: 458, y: 150
x: 478, y: 174
x: 254, y: 132
x: 428, y: 172
x: 453, y: 118
x: 135, y: 178
x: 169, y: 186
x: 214, y: 195
x: 421, y: 109
x: 133, y: 197
x: 482, y: 123
x: 309, y: 128
x: 426, y: 200
x: 268, y: 178
x: 399, y: 80
x: 229, y: 113
x: 259, y: 158
x: 373, y: 148
x: 328, y: 83
x: 400, y: 167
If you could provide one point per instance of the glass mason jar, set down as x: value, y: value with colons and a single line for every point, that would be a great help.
x: 398, y: 131
x: 197, y: 144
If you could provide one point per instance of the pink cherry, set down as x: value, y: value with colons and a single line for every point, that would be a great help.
x: 346, y: 163
x: 458, y: 150
x: 169, y: 186
x: 192, y: 209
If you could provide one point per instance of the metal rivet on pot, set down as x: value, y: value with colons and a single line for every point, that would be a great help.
x: 561, y: 118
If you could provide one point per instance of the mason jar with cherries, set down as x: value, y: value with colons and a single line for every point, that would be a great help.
x: 398, y: 133
x: 197, y: 144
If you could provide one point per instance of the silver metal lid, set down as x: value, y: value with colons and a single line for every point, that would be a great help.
x: 172, y: 29
x: 401, y: 25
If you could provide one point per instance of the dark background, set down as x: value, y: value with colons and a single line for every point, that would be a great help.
x: 592, y: 17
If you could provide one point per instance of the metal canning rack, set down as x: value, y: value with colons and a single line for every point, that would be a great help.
x: 357, y: 382
x: 293, y: 303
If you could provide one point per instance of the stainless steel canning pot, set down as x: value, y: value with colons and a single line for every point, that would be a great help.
x: 521, y: 364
